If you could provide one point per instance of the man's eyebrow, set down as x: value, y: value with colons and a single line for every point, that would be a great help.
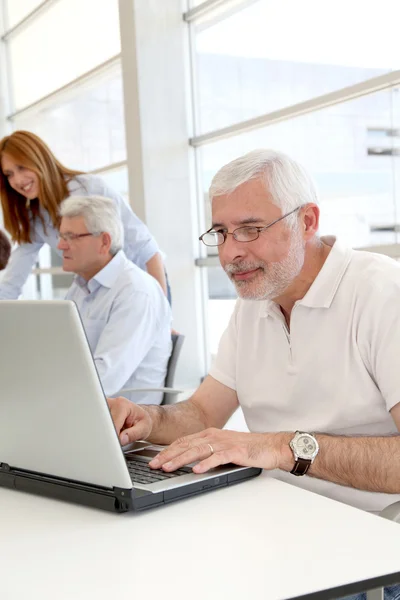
x: 242, y: 222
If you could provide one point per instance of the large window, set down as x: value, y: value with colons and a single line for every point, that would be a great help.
x: 69, y: 39
x: 256, y: 58
x: 65, y: 85
x: 275, y: 53
x: 16, y: 10
x: 84, y: 127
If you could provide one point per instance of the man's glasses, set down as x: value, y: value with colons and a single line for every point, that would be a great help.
x: 71, y: 237
x: 241, y: 234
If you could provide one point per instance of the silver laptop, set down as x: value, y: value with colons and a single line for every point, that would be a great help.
x: 57, y: 437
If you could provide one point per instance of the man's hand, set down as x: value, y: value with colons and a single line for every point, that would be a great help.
x: 132, y: 422
x: 214, y: 447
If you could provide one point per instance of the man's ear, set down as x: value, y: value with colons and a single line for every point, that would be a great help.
x: 105, y: 242
x: 310, y: 220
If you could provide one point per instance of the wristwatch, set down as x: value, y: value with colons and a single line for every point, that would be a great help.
x: 305, y: 448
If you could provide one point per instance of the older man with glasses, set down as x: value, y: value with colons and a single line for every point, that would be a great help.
x: 125, y: 314
x: 310, y: 353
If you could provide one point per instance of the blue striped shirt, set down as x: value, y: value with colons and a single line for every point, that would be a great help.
x: 127, y: 320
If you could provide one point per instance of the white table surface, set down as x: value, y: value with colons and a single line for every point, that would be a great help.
x: 262, y: 539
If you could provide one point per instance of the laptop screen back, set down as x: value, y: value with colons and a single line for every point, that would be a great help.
x: 54, y: 418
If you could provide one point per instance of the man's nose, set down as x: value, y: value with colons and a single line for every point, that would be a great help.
x: 62, y: 244
x: 231, y: 249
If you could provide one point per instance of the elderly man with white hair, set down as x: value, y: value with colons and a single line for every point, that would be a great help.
x: 310, y: 353
x: 125, y: 314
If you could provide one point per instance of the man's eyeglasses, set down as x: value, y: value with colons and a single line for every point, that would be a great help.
x: 241, y: 234
x: 71, y: 237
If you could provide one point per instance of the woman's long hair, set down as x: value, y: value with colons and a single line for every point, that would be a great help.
x: 29, y: 151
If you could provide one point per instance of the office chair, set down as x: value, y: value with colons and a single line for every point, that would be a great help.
x: 170, y: 392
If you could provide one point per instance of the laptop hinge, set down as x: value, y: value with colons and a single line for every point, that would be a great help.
x: 123, y: 499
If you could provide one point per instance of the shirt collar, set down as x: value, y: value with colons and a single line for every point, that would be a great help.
x: 107, y: 276
x: 325, y: 285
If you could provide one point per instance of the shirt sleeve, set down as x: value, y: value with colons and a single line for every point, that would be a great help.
x: 125, y: 340
x: 139, y: 246
x: 379, y: 336
x: 18, y: 269
x: 224, y: 366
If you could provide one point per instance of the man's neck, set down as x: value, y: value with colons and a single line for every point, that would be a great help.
x: 315, y: 258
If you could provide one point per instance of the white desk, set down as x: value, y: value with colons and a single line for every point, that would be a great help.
x: 253, y: 540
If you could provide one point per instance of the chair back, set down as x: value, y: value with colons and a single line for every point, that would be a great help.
x: 177, y: 342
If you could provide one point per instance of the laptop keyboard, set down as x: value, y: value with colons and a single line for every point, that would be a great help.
x: 140, y: 472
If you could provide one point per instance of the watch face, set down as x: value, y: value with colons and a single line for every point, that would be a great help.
x: 306, y: 446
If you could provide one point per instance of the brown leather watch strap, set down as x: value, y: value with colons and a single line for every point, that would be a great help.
x: 301, y: 466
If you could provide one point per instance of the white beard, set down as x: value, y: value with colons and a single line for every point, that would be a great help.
x: 273, y: 278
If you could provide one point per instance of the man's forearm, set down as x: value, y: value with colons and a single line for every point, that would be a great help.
x: 365, y: 463
x: 177, y: 420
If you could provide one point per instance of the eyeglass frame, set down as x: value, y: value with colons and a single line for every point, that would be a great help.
x: 259, y: 229
x: 73, y: 236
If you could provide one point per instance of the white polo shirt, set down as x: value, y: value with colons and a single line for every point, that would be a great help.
x: 337, y: 371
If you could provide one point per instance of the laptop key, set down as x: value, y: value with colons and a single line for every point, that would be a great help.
x: 140, y: 472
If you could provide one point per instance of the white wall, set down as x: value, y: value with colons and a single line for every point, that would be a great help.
x: 159, y: 159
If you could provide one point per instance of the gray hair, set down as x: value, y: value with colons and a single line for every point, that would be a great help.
x: 101, y: 215
x: 285, y: 179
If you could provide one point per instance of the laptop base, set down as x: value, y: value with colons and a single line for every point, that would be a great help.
x: 116, y: 499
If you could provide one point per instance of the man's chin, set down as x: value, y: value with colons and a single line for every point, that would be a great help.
x: 67, y: 267
x: 249, y: 294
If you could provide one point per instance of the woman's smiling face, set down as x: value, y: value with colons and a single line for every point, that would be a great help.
x: 21, y: 179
